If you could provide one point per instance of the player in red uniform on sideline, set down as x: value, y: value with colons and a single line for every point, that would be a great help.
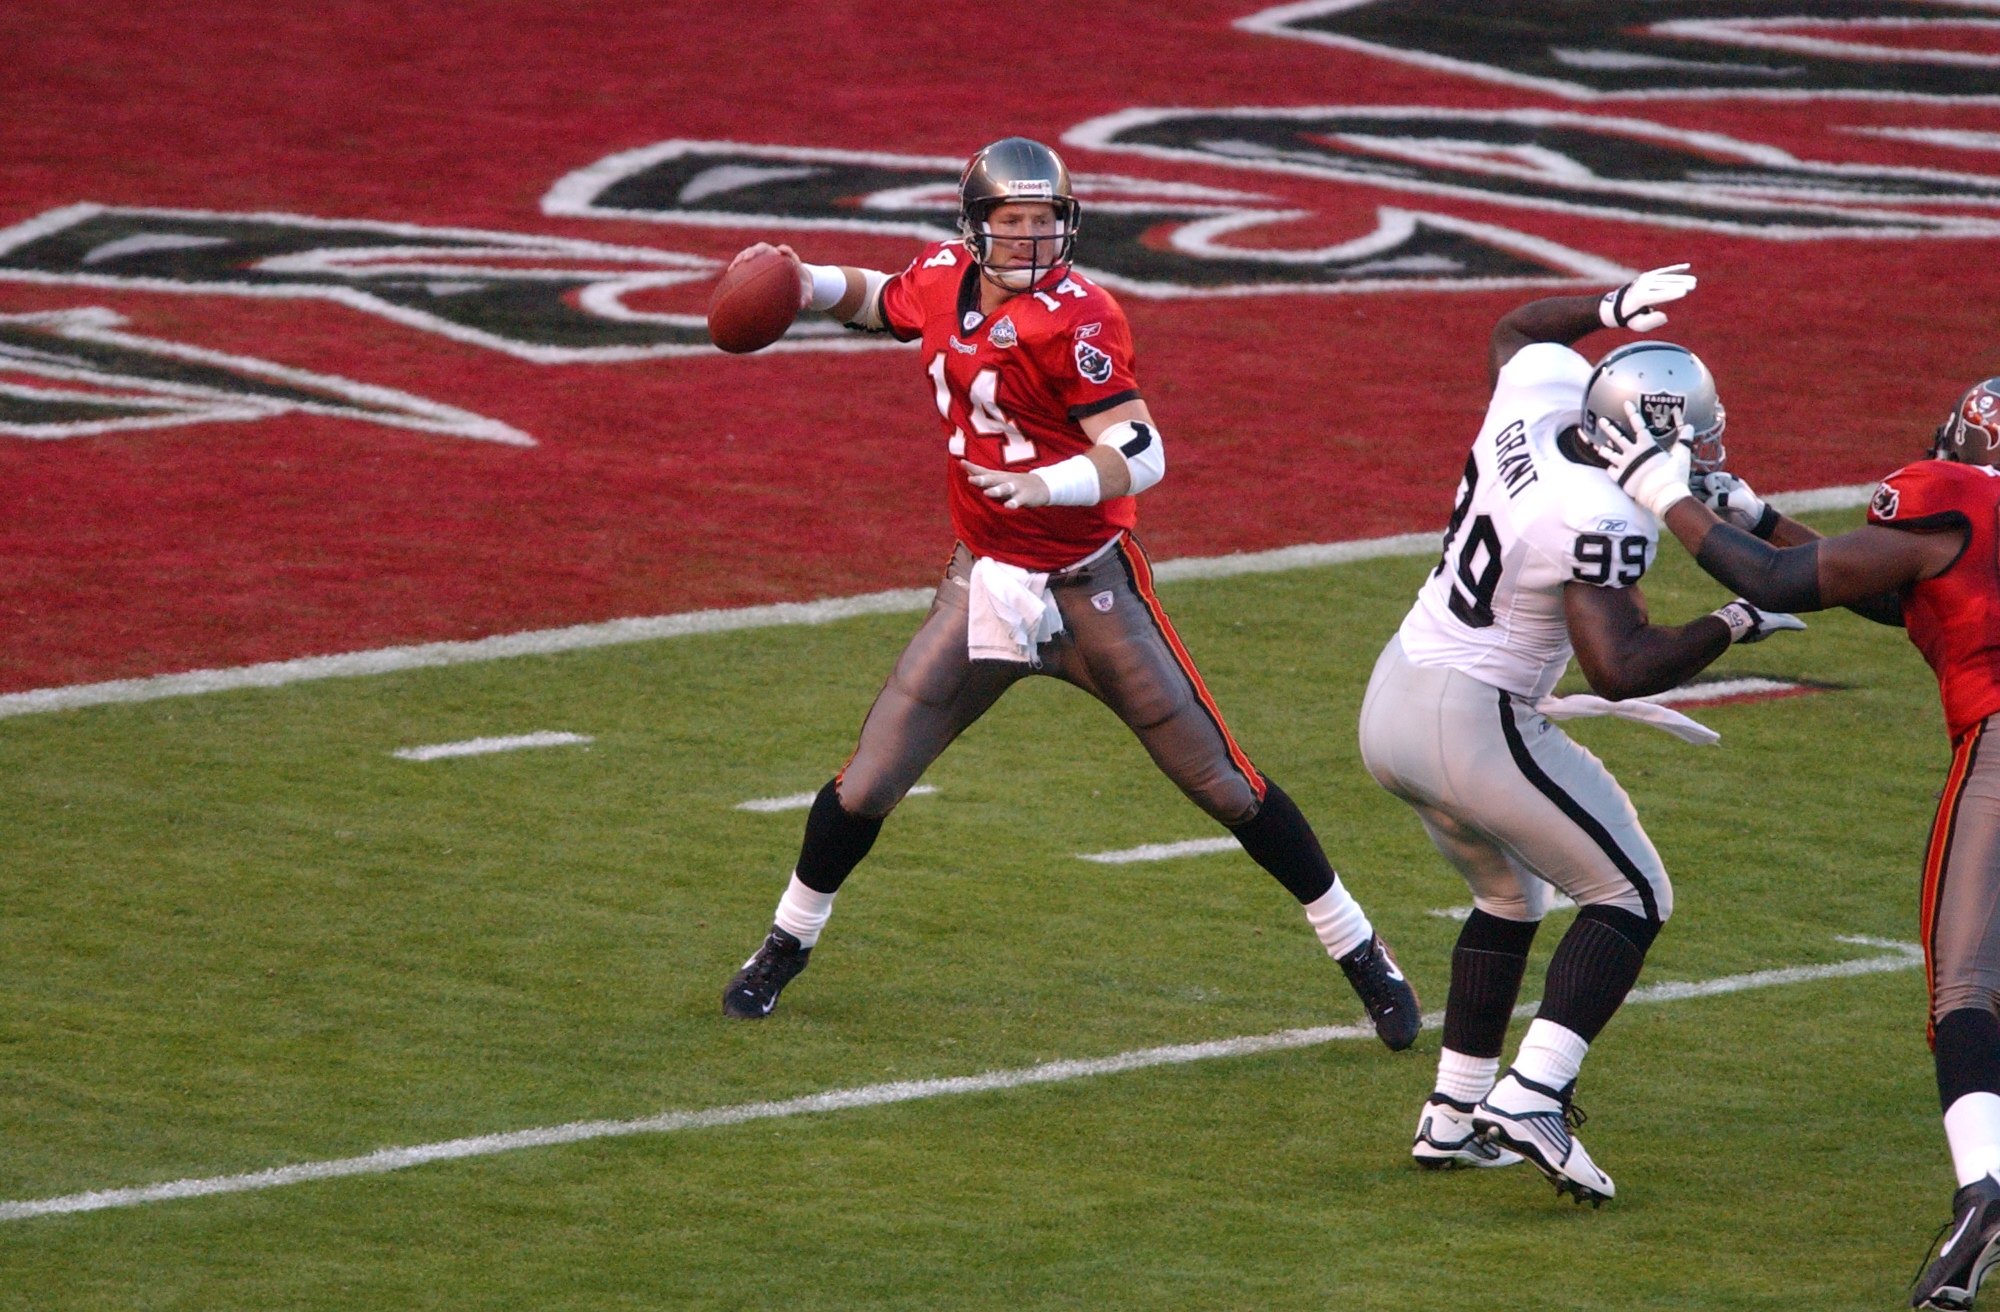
x: 1929, y: 559
x: 1048, y: 440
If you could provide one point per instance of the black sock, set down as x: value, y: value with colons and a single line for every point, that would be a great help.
x: 835, y: 842
x: 1486, y: 970
x: 1966, y: 1047
x: 1279, y: 839
x: 1594, y: 967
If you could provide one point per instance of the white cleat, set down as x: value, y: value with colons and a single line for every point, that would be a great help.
x: 1535, y: 1121
x: 1446, y: 1139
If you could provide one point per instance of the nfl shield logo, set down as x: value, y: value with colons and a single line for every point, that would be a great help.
x: 1102, y: 601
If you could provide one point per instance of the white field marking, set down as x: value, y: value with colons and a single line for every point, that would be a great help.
x: 1695, y: 694
x: 482, y: 746
x: 1162, y: 851
x: 544, y: 642
x: 800, y: 801
x: 1896, y: 956
x: 1946, y: 137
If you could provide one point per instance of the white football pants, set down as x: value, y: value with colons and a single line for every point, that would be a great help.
x: 1506, y: 796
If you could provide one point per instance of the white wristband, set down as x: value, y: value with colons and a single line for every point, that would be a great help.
x: 829, y: 284
x: 1071, y: 482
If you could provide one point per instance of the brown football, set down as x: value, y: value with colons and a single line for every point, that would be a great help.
x: 753, y: 303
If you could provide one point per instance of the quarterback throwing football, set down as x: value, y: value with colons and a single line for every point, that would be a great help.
x: 1927, y: 559
x: 1543, y: 556
x: 1048, y: 440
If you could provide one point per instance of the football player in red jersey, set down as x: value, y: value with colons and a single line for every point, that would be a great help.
x: 1927, y: 559
x: 1048, y: 441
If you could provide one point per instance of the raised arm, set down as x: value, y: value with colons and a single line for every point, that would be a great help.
x: 1568, y: 319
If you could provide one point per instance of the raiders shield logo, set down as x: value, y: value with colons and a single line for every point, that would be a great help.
x: 1883, y: 504
x: 1092, y: 363
x: 1662, y: 411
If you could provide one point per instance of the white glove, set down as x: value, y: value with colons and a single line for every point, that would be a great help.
x: 1747, y: 623
x: 1633, y: 305
x: 1730, y: 498
x: 1653, y: 472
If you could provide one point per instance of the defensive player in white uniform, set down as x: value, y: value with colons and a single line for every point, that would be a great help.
x: 1543, y: 556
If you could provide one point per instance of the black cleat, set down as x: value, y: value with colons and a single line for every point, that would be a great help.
x: 1974, y: 1246
x: 754, y: 991
x: 1391, y: 1002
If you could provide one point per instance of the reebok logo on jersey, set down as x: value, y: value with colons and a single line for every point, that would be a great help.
x: 1883, y: 504
x: 1610, y: 526
x: 1088, y: 330
x: 1093, y: 364
x: 961, y: 347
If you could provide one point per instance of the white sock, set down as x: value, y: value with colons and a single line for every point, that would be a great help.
x: 1972, y: 1128
x: 802, y: 912
x: 1339, y: 920
x: 1550, y: 1054
x: 1465, y: 1078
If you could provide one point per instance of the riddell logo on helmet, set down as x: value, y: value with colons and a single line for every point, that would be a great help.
x: 1030, y: 189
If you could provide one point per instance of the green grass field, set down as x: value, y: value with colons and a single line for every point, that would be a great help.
x: 236, y: 934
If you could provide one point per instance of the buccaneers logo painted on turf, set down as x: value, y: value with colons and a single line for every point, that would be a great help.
x: 1649, y: 49
x: 753, y: 187
x: 75, y: 373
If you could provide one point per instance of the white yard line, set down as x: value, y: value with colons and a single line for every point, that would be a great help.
x: 1162, y: 851
x: 800, y: 801
x: 1720, y: 689
x: 543, y: 642
x: 1895, y: 956
x: 483, y: 746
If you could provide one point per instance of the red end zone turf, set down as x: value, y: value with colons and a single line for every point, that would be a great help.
x: 291, y: 262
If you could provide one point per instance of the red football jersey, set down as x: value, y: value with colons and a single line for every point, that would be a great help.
x: 1012, y: 389
x: 1954, y: 619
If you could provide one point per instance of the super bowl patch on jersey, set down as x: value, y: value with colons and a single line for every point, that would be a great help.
x: 1002, y: 333
x: 1092, y: 363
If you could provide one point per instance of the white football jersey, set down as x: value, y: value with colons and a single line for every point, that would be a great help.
x: 1528, y: 520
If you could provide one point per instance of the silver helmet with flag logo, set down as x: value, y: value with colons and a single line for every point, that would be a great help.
x: 1669, y: 386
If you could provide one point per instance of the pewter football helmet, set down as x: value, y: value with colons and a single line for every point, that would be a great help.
x: 1670, y: 386
x: 1971, y: 432
x: 1016, y: 169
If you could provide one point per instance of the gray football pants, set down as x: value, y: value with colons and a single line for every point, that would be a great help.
x: 1509, y: 799
x: 1960, y: 908
x: 1116, y: 645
